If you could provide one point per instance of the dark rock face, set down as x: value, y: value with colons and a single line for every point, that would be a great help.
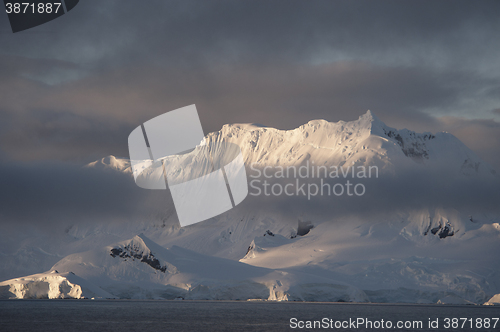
x: 470, y: 167
x: 441, y: 231
x: 250, y: 248
x: 304, y: 227
x: 414, y: 147
x: 135, y: 253
x: 268, y: 232
x: 445, y: 232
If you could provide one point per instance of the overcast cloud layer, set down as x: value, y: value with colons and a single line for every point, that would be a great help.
x: 74, y: 88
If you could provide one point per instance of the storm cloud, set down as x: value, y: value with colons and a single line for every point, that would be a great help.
x: 73, y: 89
x: 57, y: 193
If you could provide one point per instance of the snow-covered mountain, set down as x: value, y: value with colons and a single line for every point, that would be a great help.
x: 366, y: 141
x: 411, y: 239
x: 140, y: 268
x: 113, y: 163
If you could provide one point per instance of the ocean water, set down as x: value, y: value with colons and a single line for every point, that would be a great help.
x: 138, y: 315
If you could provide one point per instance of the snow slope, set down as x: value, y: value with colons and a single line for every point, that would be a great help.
x: 112, y: 162
x: 139, y: 268
x: 388, y: 267
x: 495, y: 300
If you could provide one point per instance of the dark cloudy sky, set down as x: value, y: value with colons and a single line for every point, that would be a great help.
x: 73, y: 89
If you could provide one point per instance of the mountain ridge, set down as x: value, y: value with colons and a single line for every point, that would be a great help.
x: 366, y: 141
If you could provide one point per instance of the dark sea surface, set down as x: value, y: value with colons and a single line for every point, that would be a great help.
x: 138, y: 315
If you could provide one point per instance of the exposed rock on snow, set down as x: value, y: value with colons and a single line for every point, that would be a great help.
x: 304, y: 227
x: 135, y: 252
